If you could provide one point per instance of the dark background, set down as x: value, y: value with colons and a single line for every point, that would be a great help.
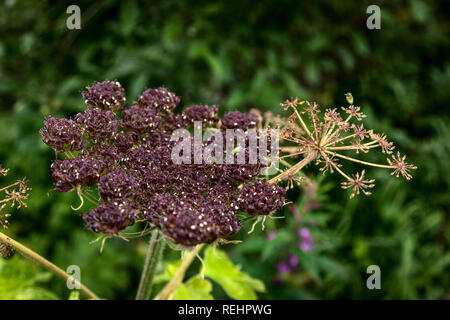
x: 242, y: 55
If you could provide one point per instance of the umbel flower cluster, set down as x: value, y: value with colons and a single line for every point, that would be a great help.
x: 124, y: 155
x: 322, y: 139
x: 12, y: 195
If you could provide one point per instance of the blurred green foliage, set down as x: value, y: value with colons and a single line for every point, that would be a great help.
x: 244, y: 54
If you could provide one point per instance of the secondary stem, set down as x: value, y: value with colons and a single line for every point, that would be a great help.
x: 47, y: 264
x: 154, y: 253
x: 295, y: 168
x: 177, y: 279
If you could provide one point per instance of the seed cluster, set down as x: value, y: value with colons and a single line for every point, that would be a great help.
x: 127, y: 155
x: 312, y: 136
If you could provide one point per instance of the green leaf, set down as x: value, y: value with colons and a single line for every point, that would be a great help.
x: 237, y: 284
x: 169, y: 272
x: 18, y: 281
x: 195, y: 289
x: 74, y: 295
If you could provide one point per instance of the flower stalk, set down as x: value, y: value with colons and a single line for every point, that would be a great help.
x: 154, y: 254
x: 177, y: 279
x: 47, y: 264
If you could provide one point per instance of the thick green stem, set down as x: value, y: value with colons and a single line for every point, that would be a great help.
x: 154, y: 254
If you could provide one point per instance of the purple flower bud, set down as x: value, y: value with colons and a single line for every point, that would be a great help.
x: 117, y: 184
x: 111, y: 217
x: 123, y: 142
x: 98, y: 124
x: 239, y: 120
x: 174, y: 121
x: 108, y: 156
x: 139, y: 120
x: 206, y: 114
x: 62, y: 134
x: 106, y: 95
x: 74, y: 173
x: 261, y: 197
x: 159, y: 99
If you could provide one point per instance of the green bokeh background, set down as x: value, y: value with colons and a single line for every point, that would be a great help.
x: 242, y: 55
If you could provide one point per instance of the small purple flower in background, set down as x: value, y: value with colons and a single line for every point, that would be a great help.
x: 313, y: 223
x: 304, y: 234
x: 288, y: 266
x: 277, y: 280
x: 293, y: 262
x: 311, y: 205
x: 306, y: 245
x: 283, y: 267
x: 306, y: 241
x: 271, y: 235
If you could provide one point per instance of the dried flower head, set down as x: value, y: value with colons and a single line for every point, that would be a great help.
x: 324, y: 138
x: 14, y: 195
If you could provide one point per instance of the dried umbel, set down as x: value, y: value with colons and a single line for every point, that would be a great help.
x: 125, y: 156
x: 13, y: 195
x: 321, y: 139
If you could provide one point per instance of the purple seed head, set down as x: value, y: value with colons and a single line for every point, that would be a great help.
x: 111, y: 217
x: 73, y: 173
x: 138, y: 120
x: 203, y: 113
x: 261, y: 197
x: 98, y: 124
x: 62, y: 134
x: 239, y: 120
x: 117, y: 184
x: 106, y: 95
x: 159, y: 99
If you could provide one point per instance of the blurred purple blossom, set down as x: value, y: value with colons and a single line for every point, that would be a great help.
x: 293, y: 261
x: 271, y: 235
x: 283, y: 267
x: 306, y: 240
x: 306, y: 245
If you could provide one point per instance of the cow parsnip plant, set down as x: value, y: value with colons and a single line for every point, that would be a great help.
x: 119, y: 159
